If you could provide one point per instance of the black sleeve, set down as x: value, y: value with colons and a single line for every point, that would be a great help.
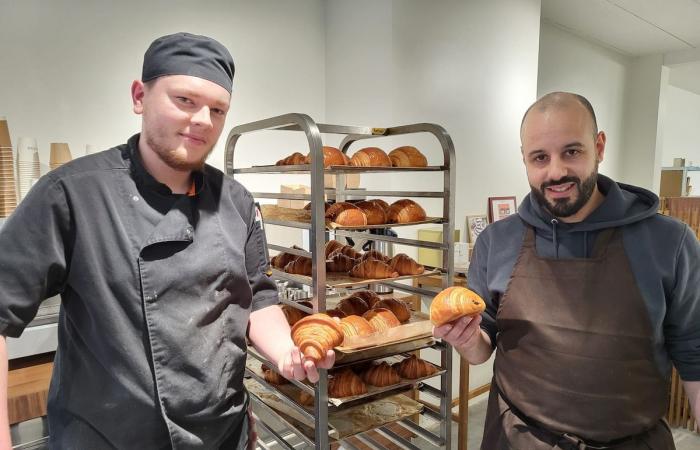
x: 262, y: 285
x: 35, y: 243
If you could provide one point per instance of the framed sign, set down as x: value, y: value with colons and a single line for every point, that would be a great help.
x: 501, y: 207
x: 475, y: 225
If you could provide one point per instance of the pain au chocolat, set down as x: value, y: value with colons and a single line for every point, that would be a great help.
x: 454, y: 302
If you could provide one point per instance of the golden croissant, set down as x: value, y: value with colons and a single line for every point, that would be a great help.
x: 300, y: 266
x: 370, y: 157
x: 405, y: 265
x: 453, y: 303
x: 332, y: 246
x: 398, y: 307
x: 381, y: 319
x: 381, y: 374
x: 355, y: 326
x: 374, y: 254
x: 346, y: 250
x: 371, y: 268
x: 331, y: 157
x: 273, y: 377
x: 340, y: 263
x: 353, y: 305
x: 414, y: 367
x: 294, y: 159
x: 336, y: 313
x: 345, y: 384
x: 407, y: 156
x: 305, y: 398
x: 281, y: 260
x: 316, y: 334
x: 294, y: 315
x: 405, y: 211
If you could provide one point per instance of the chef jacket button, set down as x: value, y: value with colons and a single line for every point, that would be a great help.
x: 188, y: 231
x: 135, y: 198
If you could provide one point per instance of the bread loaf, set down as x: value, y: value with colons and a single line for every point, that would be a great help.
x: 405, y: 211
x: 376, y: 215
x: 407, y: 156
x: 378, y: 201
x: 454, y: 302
x: 370, y: 157
x: 381, y: 319
x: 371, y: 268
x: 346, y: 214
x: 331, y: 157
x: 398, y: 307
x: 315, y: 335
x: 405, y: 265
x: 294, y: 159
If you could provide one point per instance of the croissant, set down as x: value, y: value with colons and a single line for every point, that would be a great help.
x: 281, y: 260
x: 376, y: 215
x: 332, y: 246
x: 369, y: 296
x: 348, y: 251
x: 354, y: 325
x: 374, y: 254
x: 381, y: 374
x: 370, y: 157
x: 336, y: 313
x: 414, y: 367
x: 371, y: 268
x: 405, y: 265
x: 346, y: 384
x: 346, y: 214
x: 331, y: 157
x: 292, y: 160
x: 353, y: 305
x: 381, y: 319
x: 300, y: 266
x: 453, y: 303
x: 404, y: 211
x: 339, y: 263
x: 273, y: 377
x: 398, y: 307
x: 316, y: 334
x: 294, y: 315
x: 407, y: 156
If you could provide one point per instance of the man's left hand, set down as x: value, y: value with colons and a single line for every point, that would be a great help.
x: 295, y: 366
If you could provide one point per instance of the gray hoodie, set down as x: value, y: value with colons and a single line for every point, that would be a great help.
x: 663, y: 254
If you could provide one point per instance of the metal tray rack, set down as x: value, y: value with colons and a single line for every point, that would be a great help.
x: 318, y: 281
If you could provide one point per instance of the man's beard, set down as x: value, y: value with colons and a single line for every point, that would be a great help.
x: 171, y: 158
x: 564, y: 207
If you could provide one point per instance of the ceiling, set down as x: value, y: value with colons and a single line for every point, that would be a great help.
x: 637, y: 28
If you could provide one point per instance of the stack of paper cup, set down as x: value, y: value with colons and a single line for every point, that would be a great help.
x: 8, y: 187
x: 60, y: 154
x: 28, y: 167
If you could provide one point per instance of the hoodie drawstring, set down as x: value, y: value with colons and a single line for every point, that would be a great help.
x: 554, y: 223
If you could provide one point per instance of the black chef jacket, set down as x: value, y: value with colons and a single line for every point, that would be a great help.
x: 156, y: 292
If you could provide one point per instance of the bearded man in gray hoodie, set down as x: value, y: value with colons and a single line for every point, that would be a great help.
x: 591, y: 297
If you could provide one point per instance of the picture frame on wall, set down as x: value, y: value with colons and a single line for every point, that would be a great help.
x: 501, y: 207
x: 475, y: 225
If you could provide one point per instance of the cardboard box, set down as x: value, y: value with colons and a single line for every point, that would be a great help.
x: 293, y: 189
x: 352, y: 181
x: 428, y: 256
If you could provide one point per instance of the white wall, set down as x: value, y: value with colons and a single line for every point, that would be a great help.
x: 572, y: 64
x: 67, y: 65
x: 452, y: 63
x: 681, y: 118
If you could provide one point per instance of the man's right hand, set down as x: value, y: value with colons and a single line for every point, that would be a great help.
x: 465, y: 335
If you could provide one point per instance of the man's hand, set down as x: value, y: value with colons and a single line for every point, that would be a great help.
x: 466, y: 336
x: 293, y: 365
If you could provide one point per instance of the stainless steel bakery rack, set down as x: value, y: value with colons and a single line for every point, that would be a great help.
x: 290, y: 431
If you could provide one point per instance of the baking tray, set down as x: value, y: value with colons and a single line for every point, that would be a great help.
x: 346, y: 422
x: 274, y: 214
x: 254, y: 365
x: 342, y: 280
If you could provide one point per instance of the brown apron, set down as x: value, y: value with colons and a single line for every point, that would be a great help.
x: 574, y: 366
